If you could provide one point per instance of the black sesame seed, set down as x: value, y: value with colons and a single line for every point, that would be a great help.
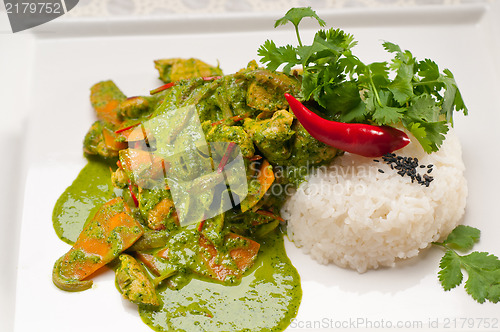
x: 407, y: 166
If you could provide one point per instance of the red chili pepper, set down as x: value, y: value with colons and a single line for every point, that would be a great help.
x: 225, y: 157
x: 161, y: 88
x: 200, y: 225
x: 127, y: 128
x: 134, y: 198
x: 362, y: 139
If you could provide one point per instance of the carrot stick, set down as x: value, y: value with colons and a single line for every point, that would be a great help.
x: 111, y: 231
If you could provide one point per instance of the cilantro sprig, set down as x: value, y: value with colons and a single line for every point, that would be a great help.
x: 404, y: 90
x: 483, y: 269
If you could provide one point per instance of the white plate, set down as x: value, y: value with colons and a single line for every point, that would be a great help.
x: 70, y: 57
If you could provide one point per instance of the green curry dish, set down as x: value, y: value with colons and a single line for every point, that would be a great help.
x: 213, y: 121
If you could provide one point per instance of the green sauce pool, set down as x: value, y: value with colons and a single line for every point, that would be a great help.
x: 266, y: 299
x: 81, y: 200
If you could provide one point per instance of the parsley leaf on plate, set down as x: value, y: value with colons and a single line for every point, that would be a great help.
x: 463, y: 238
x: 483, y: 269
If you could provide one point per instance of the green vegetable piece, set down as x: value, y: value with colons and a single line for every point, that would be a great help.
x: 151, y: 240
x: 265, y: 229
x: 68, y: 284
x: 212, y: 229
x: 133, y: 282
x: 483, y: 269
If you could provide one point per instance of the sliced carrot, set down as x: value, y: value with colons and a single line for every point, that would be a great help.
x: 135, y: 161
x: 243, y: 257
x: 265, y: 179
x: 111, y: 142
x: 111, y: 231
x: 162, y: 212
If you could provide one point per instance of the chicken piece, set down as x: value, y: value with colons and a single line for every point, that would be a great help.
x: 266, y: 89
x: 272, y: 136
x: 236, y: 134
x: 133, y: 282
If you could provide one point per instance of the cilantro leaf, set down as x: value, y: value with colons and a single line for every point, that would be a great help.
x: 420, y: 134
x: 276, y: 56
x: 484, y: 276
x: 463, y: 237
x: 295, y: 15
x: 450, y: 274
x: 483, y: 269
x: 355, y: 114
x: 452, y: 96
x: 429, y: 134
x: 335, y: 41
x: 341, y: 99
x: 428, y: 70
x: 385, y: 114
x: 423, y: 108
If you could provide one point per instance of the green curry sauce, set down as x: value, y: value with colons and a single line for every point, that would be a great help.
x: 266, y: 299
x: 80, y: 201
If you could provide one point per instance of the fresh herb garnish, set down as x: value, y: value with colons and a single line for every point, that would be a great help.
x: 405, y: 90
x: 483, y: 269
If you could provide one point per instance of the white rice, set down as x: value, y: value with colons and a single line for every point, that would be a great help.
x: 352, y: 215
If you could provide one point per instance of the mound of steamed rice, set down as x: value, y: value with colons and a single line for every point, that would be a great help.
x: 353, y: 215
